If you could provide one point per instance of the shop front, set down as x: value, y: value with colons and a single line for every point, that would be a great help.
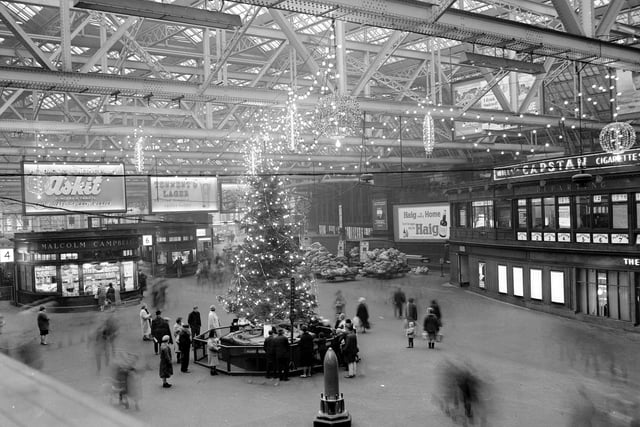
x: 69, y: 267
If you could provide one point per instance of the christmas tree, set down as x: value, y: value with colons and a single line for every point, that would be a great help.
x: 268, y: 260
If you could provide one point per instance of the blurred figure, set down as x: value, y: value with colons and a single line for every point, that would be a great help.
x: 399, y: 299
x: 460, y: 394
x: 166, y: 366
x: 412, y: 311
x: 363, y: 314
x: 142, y: 282
x: 436, y: 311
x: 101, y: 296
x: 431, y: 327
x: 159, y: 294
x: 111, y: 296
x: 339, y: 302
x: 123, y: 372
x: 145, y: 322
x: 321, y: 345
x: 43, y: 325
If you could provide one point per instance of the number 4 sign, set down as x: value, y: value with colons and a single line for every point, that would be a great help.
x: 6, y: 254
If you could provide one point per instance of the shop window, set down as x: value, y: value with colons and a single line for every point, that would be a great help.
x: 549, y: 206
x: 128, y: 282
x: 564, y: 212
x: 70, y: 280
x: 601, y: 211
x: 536, y: 214
x: 518, y: 281
x: 462, y: 215
x: 502, y: 279
x: 96, y: 275
x: 46, y: 278
x: 535, y: 279
x: 482, y: 214
x: 604, y: 293
x: 482, y: 275
x: 583, y: 212
x: 503, y: 214
x: 557, y: 287
x: 73, y: 255
x: 522, y: 214
x: 619, y: 211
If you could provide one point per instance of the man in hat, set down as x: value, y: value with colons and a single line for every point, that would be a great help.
x: 159, y: 328
x: 213, y: 321
x: 195, y: 322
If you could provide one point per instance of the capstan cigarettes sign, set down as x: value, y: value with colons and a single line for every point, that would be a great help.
x: 572, y: 164
x: 56, y: 188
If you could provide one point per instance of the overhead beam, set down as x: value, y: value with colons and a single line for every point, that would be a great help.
x: 109, y: 44
x: 609, y: 17
x: 568, y: 17
x: 392, y: 43
x: 24, y: 38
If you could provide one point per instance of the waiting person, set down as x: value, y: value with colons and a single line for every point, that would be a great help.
x: 306, y: 352
x: 178, y: 266
x: 195, y: 321
x: 213, y: 322
x: 350, y: 351
x: 177, y: 329
x: 399, y: 299
x: 431, y: 327
x: 412, y: 311
x: 281, y: 350
x: 411, y: 333
x: 166, y: 366
x: 145, y: 322
x: 184, y: 343
x: 111, y: 295
x: 43, y: 325
x: 213, y: 348
x: 363, y: 314
x: 159, y: 328
x: 270, y: 355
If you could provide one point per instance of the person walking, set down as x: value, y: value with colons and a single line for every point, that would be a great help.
x: 145, y: 322
x: 43, y: 325
x: 431, y: 327
x: 101, y: 296
x: 195, y: 321
x: 166, y: 366
x: 213, y: 322
x: 399, y: 299
x: 111, y: 296
x: 270, y: 355
x: 412, y: 311
x: 306, y: 352
x: 184, y: 344
x: 159, y: 328
x: 350, y: 351
x: 213, y: 347
x: 281, y: 350
x: 363, y: 314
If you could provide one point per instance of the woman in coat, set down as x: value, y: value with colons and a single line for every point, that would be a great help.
x: 307, y: 358
x: 431, y: 327
x: 363, y: 315
x: 350, y: 351
x: 145, y: 322
x: 166, y: 368
x: 101, y: 297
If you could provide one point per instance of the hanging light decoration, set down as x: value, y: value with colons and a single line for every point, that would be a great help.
x: 139, y: 142
x: 428, y: 135
x: 617, y: 137
x: 337, y: 116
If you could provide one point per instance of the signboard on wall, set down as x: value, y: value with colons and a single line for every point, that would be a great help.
x: 380, y: 214
x: 424, y: 222
x: 57, y: 188
x: 183, y: 194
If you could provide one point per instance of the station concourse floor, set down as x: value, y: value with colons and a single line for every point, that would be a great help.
x: 532, y: 363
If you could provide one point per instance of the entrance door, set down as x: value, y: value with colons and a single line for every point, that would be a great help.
x: 463, y: 269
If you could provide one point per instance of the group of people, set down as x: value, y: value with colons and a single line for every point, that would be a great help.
x: 407, y: 309
x: 360, y: 321
x: 180, y: 340
x: 108, y: 297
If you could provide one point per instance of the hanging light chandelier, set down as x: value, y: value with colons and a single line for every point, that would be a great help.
x: 337, y: 116
x: 617, y: 137
x: 428, y: 135
x: 139, y: 142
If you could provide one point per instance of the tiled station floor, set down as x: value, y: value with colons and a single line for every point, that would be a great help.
x: 532, y: 364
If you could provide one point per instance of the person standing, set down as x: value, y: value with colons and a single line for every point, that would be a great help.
x: 410, y: 333
x: 399, y: 299
x: 431, y: 327
x: 363, y: 314
x: 166, y: 367
x: 213, y: 322
x: 270, y: 355
x: 177, y: 329
x: 195, y: 321
x: 43, y: 325
x: 101, y: 296
x: 145, y: 322
x: 111, y: 295
x: 412, y: 311
x: 306, y: 352
x: 159, y: 328
x: 213, y: 347
x: 350, y: 351
x: 184, y: 344
x: 281, y: 350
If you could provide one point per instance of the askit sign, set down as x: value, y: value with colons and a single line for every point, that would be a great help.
x: 571, y: 164
x: 421, y: 222
x: 57, y: 188
x: 183, y: 194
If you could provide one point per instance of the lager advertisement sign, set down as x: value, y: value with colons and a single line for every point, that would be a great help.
x: 183, y: 194
x: 69, y: 188
x: 425, y: 222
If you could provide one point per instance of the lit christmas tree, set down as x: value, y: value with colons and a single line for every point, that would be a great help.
x: 268, y: 259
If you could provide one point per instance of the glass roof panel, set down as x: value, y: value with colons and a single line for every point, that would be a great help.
x: 23, y: 11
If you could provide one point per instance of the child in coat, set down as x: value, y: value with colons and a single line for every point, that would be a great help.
x: 411, y: 333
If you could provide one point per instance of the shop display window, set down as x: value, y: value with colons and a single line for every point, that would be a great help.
x: 583, y: 212
x: 503, y: 214
x: 483, y: 214
x: 46, y: 278
x: 536, y: 214
x: 564, y: 212
x: 522, y: 213
x: 462, y: 215
x: 601, y: 211
x: 96, y: 275
x: 619, y: 211
x: 128, y: 282
x: 604, y: 293
x: 518, y: 281
x: 557, y: 287
x: 70, y: 277
x: 502, y: 279
x: 535, y: 279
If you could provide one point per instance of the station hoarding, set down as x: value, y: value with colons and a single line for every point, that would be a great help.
x: 183, y: 194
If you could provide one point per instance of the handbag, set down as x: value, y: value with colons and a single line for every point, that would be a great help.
x: 439, y: 337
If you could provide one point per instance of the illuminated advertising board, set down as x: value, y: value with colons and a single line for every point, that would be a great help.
x: 423, y: 222
x: 183, y: 194
x: 69, y: 188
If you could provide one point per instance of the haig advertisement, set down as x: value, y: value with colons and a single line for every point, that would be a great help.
x: 422, y: 222
x: 68, y: 188
x: 183, y: 194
